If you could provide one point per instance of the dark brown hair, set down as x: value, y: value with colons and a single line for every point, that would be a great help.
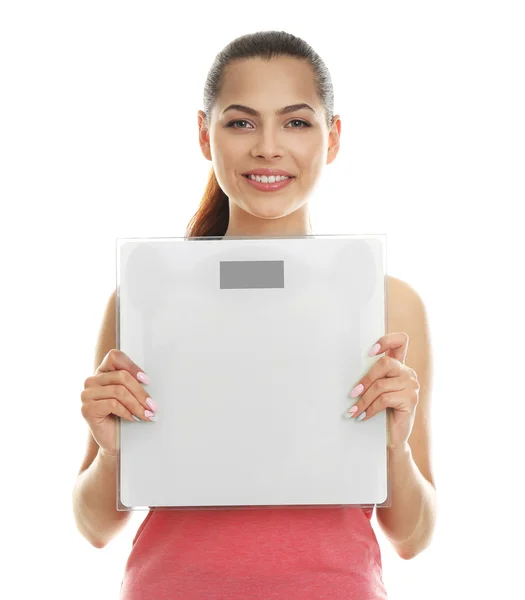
x: 212, y: 216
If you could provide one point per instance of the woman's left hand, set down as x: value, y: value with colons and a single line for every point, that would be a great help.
x: 389, y: 384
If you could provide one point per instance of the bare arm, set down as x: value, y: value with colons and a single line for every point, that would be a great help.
x: 94, y: 492
x: 94, y: 501
x: 410, y: 521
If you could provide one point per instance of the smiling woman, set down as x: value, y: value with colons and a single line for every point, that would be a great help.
x: 268, y: 129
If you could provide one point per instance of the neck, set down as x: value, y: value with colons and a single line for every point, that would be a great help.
x: 243, y: 224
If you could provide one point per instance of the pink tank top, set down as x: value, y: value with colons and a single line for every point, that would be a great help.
x: 255, y: 554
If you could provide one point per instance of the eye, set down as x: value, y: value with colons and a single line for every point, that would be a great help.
x: 232, y: 123
x: 300, y: 121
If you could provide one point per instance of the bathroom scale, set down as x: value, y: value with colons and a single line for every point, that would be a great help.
x: 252, y: 346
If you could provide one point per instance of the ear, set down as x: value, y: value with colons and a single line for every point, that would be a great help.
x: 334, y: 138
x: 204, y: 135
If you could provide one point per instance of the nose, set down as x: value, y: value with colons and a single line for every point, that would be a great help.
x: 267, y: 144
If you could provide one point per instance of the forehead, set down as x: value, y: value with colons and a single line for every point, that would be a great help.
x: 267, y: 85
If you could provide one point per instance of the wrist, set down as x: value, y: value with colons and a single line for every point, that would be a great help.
x: 107, y: 457
x: 403, y: 448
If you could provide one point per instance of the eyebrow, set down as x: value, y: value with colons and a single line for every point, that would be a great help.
x: 281, y: 111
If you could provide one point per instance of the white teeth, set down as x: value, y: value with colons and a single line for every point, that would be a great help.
x: 265, y: 179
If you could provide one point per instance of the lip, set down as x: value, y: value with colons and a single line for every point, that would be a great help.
x: 269, y: 187
x: 268, y: 172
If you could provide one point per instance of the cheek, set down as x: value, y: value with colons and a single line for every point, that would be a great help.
x: 226, y: 154
x: 313, y: 164
x: 310, y: 153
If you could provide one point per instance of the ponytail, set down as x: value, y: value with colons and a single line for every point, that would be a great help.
x: 213, y: 215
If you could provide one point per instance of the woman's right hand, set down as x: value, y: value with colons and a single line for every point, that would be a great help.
x: 114, y: 391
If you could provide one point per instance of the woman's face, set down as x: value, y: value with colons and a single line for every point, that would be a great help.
x: 297, y: 142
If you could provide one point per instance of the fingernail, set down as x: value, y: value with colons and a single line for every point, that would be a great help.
x: 150, y: 415
x: 143, y: 377
x: 151, y: 404
x: 374, y: 350
x: 348, y: 413
x: 136, y: 419
x: 357, y: 390
x: 361, y: 416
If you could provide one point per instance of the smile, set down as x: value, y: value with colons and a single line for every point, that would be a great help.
x: 270, y: 186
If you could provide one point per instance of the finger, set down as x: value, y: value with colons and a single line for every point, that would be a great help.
x: 122, y: 386
x: 383, y: 367
x: 384, y: 401
x: 126, y: 379
x: 379, y: 388
x: 396, y: 344
x: 394, y: 396
x: 403, y: 401
x: 98, y: 410
x: 116, y: 360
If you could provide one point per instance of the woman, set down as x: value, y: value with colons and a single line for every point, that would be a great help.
x: 268, y: 113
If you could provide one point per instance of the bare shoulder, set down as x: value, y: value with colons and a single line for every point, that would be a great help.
x: 403, y: 302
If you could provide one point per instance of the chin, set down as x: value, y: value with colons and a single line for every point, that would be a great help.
x: 269, y: 212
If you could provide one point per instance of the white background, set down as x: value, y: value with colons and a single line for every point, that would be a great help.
x: 98, y: 140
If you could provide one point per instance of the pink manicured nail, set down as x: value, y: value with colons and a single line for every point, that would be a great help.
x: 151, y: 404
x: 357, y: 390
x: 350, y: 412
x: 374, y: 350
x: 150, y: 415
x: 142, y: 377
